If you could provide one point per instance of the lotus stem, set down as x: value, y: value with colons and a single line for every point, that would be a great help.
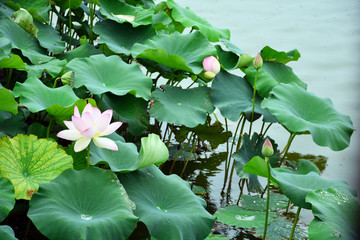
x: 287, y: 147
x: 253, y: 106
x: 295, y: 222
x: 191, y: 151
x: 287, y: 208
x: 51, y: 123
x: 226, y: 160
x: 92, y: 13
x: 242, y: 182
x: 88, y: 157
x: 267, y: 128
x: 8, y: 80
x: 267, y: 197
x: 231, y: 151
x: 69, y: 47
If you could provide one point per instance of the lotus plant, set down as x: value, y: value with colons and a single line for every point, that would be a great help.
x: 211, y: 66
x: 91, y: 124
x: 267, y: 151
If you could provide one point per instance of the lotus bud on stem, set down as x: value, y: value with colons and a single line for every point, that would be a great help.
x: 258, y: 62
x: 267, y: 151
x: 211, y: 66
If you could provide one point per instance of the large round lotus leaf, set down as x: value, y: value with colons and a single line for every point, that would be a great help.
x: 269, y: 54
x: 85, y: 50
x: 8, y: 102
x: 233, y: 96
x: 121, y: 37
x: 27, y: 161
x: 120, y: 11
x: 177, y: 51
x: 7, y: 198
x: 189, y: 19
x: 128, y: 109
x: 301, y: 111
x: 241, y: 217
x: 270, y: 75
x: 12, y: 124
x: 88, y: 204
x: 127, y: 159
x: 167, y: 206
x: 339, y: 211
x: 52, y: 67
x: 49, y: 38
x: 280, y: 229
x: 257, y: 203
x: 187, y: 107
x: 7, y: 233
x: 23, y: 41
x: 296, y: 186
x: 36, y: 96
x: 5, y: 47
x: 102, y: 74
x: 14, y: 61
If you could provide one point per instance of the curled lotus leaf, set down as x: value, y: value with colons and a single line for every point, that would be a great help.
x: 301, y: 111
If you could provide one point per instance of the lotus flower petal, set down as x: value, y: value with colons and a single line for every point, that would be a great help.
x: 81, y: 144
x: 71, y: 135
x: 111, y: 128
x: 105, y: 143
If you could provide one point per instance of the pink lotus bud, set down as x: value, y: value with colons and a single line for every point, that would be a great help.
x: 211, y: 66
x: 267, y: 148
x: 258, y: 62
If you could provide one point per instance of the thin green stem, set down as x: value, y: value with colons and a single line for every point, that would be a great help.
x: 267, y: 197
x: 191, y: 151
x: 253, y: 106
x: 69, y: 47
x: 169, y: 139
x: 267, y: 129
x: 287, y: 207
x: 295, y: 222
x: 51, y: 123
x: 287, y: 147
x: 92, y: 14
x: 241, y: 185
x: 262, y: 128
x: 240, y: 136
x: 88, y: 157
x: 8, y: 80
x: 226, y: 160
x: 100, y: 100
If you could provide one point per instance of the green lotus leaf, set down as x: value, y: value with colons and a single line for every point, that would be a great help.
x: 297, y: 185
x: 128, y: 109
x: 24, y: 19
x: 258, y: 167
x: 241, y: 217
x: 7, y: 233
x: 127, y: 159
x: 216, y: 237
x: 153, y: 151
x: 339, y: 212
x: 5, y: 10
x: 14, y: 61
x: 189, y: 19
x: 27, y: 161
x: 12, y: 124
x: 259, y: 204
x: 5, y: 47
x: 177, y: 51
x: 87, y: 204
x: 64, y: 113
x: 121, y: 37
x: 8, y: 102
x: 268, y: 54
x: 36, y: 96
x: 85, y: 50
x: 166, y: 205
x: 79, y: 158
x: 280, y: 229
x: 230, y: 46
x: 65, y: 4
x: 175, y: 105
x: 227, y: 59
x: 270, y: 75
x: 38, y: 8
x: 7, y: 198
x: 102, y: 74
x: 300, y: 111
x: 120, y: 12
x: 49, y: 38
x: 23, y: 41
x: 233, y: 96
x: 52, y: 67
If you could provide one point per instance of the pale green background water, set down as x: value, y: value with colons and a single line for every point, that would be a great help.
x: 327, y: 34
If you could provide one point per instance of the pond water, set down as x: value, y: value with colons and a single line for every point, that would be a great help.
x: 327, y: 34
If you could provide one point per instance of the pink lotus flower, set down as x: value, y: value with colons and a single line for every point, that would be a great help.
x: 92, y: 124
x: 267, y: 148
x: 211, y: 66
